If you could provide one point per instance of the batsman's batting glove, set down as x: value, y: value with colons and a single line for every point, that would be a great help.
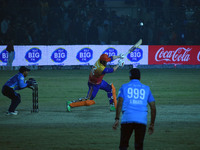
x: 121, y: 63
x: 121, y: 56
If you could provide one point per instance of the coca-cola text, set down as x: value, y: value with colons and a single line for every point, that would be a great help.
x: 179, y: 55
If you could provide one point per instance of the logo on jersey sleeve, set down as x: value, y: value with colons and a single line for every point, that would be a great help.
x: 136, y: 55
x: 84, y: 55
x: 59, y: 55
x: 110, y: 52
x: 4, y: 56
x: 33, y: 55
x: 22, y: 78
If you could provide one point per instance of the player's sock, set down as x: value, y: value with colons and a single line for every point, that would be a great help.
x: 114, y: 95
x: 82, y: 103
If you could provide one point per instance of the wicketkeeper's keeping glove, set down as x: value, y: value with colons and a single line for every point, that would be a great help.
x: 29, y: 82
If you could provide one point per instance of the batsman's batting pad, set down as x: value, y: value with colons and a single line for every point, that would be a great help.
x: 114, y: 95
x: 82, y: 103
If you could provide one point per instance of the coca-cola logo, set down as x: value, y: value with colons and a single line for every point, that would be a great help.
x: 198, y: 56
x: 180, y: 54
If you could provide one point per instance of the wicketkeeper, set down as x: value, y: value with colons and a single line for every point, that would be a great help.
x: 17, y: 82
x: 96, y: 82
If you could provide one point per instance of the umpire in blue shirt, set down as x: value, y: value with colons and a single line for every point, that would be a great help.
x: 17, y: 82
x: 133, y: 98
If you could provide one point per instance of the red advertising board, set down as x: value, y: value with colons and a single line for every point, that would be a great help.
x: 178, y: 54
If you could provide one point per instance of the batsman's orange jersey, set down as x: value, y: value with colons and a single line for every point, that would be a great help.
x: 96, y: 75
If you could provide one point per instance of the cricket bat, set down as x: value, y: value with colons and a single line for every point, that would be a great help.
x: 134, y: 47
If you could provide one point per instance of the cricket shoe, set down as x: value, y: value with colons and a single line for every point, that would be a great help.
x: 112, y: 107
x: 68, y: 106
x: 9, y: 113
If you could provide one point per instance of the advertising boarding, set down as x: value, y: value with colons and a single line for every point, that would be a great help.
x: 41, y: 55
x: 182, y: 55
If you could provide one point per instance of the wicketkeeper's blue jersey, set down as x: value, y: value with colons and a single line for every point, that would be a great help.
x: 136, y: 97
x: 16, y: 82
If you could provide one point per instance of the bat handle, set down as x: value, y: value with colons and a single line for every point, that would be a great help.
x: 131, y: 50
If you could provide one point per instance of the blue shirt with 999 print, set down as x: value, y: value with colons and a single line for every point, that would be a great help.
x: 136, y: 97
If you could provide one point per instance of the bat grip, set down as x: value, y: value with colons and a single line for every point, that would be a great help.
x: 131, y: 50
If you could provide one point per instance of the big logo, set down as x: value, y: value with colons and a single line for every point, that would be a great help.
x: 84, y: 55
x: 59, y: 55
x: 110, y: 52
x: 136, y: 55
x: 33, y: 55
x: 4, y: 56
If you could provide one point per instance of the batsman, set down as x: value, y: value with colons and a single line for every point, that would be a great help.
x: 96, y: 82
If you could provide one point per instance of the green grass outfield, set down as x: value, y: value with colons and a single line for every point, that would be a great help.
x: 177, y: 94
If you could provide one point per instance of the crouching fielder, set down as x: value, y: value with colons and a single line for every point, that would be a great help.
x: 96, y: 82
x: 16, y: 83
